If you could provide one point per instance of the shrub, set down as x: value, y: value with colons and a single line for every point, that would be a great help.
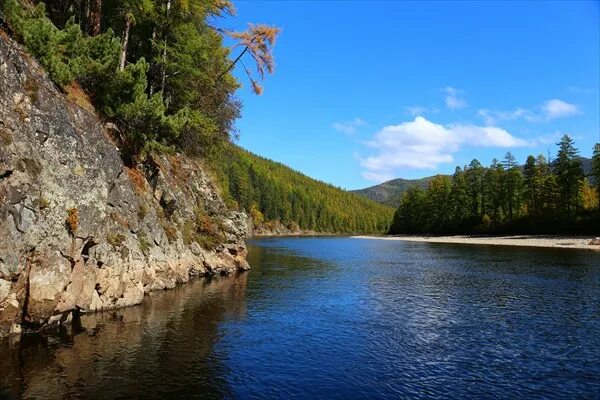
x: 42, y: 203
x: 72, y: 221
x: 115, y: 239
x: 142, y: 211
x: 143, y: 243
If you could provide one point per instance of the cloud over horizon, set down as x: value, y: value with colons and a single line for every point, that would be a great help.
x: 424, y: 144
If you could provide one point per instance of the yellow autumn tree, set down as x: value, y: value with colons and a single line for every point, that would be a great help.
x: 589, y: 196
x: 258, y: 42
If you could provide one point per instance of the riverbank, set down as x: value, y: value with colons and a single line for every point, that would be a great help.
x: 571, y: 242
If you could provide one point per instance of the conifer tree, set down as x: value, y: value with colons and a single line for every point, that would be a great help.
x: 568, y: 171
x: 596, y: 168
x: 512, y: 185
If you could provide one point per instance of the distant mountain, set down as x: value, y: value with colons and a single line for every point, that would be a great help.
x: 389, y: 192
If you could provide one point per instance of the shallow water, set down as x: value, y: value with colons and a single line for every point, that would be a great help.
x: 339, y: 318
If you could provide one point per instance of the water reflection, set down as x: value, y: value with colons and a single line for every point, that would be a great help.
x: 340, y: 318
x: 144, y: 351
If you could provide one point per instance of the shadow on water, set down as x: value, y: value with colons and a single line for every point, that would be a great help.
x: 142, y: 351
x: 166, y: 347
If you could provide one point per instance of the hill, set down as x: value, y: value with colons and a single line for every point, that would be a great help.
x: 275, y: 194
x: 389, y: 192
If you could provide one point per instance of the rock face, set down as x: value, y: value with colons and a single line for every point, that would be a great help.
x: 81, y: 231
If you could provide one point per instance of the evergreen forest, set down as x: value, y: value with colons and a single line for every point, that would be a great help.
x: 540, y: 196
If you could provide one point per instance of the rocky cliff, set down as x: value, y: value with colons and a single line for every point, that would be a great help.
x: 79, y: 230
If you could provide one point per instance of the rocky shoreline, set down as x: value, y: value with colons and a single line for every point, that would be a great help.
x: 79, y: 230
x: 563, y: 242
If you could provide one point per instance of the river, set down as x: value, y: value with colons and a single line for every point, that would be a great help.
x: 339, y: 318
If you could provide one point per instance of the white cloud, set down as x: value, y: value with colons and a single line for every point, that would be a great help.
x: 556, y: 108
x: 349, y: 127
x: 453, y: 99
x: 425, y: 144
x: 549, y: 110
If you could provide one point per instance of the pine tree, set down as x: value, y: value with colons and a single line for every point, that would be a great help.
x: 544, y: 199
x: 596, y: 168
x: 459, y: 197
x: 530, y: 173
x: 410, y: 217
x: 512, y: 184
x: 474, y: 176
x: 438, y: 200
x: 493, y: 193
x: 568, y: 171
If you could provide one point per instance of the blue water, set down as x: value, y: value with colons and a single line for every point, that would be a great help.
x: 340, y: 318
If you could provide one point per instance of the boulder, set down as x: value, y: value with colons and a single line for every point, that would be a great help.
x: 49, y: 276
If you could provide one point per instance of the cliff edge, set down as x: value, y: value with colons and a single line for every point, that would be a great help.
x: 79, y: 230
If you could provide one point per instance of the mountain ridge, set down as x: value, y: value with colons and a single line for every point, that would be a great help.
x: 390, y: 192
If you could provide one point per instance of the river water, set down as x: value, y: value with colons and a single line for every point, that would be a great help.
x: 339, y: 318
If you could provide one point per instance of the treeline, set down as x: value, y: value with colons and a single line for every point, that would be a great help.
x: 539, y: 197
x: 158, y: 69
x: 272, y: 192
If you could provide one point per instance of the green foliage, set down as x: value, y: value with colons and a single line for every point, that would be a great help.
x: 205, y: 230
x: 115, y: 239
x: 175, y: 92
x: 412, y: 212
x: 66, y: 54
x: 569, y: 173
x: 271, y: 192
x: 505, y: 198
x: 194, y: 62
x: 143, y: 242
x: 596, y: 167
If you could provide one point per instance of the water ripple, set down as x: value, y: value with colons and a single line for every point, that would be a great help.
x: 340, y: 318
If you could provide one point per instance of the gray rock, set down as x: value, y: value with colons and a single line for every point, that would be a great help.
x: 4, y: 289
x: 78, y: 229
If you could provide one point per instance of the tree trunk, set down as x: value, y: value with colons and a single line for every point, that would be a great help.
x: 152, y: 76
x: 85, y: 17
x: 164, y: 54
x: 123, y: 55
x: 95, y: 17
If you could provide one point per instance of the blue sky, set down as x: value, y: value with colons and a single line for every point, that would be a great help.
x: 365, y: 91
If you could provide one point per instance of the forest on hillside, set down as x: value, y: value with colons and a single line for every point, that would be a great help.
x: 157, y: 69
x: 541, y: 197
x: 160, y: 71
x: 272, y: 192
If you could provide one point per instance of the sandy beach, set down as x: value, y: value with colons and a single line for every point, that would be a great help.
x: 566, y: 242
